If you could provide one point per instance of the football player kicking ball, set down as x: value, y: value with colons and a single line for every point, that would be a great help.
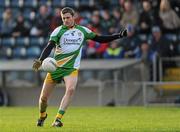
x: 68, y: 41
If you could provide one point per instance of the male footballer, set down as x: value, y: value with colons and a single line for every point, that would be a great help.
x: 67, y: 40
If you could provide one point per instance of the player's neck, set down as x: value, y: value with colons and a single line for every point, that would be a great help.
x: 71, y: 26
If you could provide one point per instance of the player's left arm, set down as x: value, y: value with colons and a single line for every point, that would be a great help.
x: 109, y: 38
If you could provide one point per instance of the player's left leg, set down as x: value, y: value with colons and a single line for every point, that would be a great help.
x: 70, y: 83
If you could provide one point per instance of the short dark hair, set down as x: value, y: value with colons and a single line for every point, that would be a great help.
x: 68, y: 10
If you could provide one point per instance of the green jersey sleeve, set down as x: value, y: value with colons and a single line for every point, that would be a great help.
x: 55, y: 35
x: 89, y: 34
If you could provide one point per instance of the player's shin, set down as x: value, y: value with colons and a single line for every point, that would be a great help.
x: 42, y: 108
x: 43, y: 114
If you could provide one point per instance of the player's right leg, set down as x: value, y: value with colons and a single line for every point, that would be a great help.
x: 47, y: 89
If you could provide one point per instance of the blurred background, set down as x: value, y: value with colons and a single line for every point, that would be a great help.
x: 141, y: 69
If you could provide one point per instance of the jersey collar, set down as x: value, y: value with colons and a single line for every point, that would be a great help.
x: 66, y: 27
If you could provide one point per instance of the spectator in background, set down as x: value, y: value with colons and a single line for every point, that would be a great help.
x: 145, y: 53
x: 117, y: 19
x: 43, y: 21
x: 7, y: 23
x: 32, y: 22
x: 155, y: 7
x: 21, y: 27
x: 95, y: 22
x: 161, y: 47
x: 130, y: 14
x: 80, y: 20
x: 146, y: 18
x: 56, y: 19
x: 147, y: 56
x: 114, y: 51
x: 131, y: 43
x: 175, y: 4
x: 121, y: 2
x: 32, y: 17
x: 103, y: 4
x: 170, y: 20
x: 95, y: 49
x: 107, y: 23
x: 159, y: 44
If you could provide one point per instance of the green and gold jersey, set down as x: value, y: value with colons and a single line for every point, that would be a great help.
x: 69, y: 44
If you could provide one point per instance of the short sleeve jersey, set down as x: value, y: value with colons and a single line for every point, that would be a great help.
x: 69, y: 44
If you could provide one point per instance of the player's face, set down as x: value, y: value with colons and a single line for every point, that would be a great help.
x: 67, y: 19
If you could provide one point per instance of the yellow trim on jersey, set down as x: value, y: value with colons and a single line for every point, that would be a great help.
x: 61, y: 62
x: 64, y: 61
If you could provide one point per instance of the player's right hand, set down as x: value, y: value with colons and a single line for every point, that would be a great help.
x: 36, y: 65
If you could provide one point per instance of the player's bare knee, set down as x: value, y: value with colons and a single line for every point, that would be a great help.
x: 70, y: 90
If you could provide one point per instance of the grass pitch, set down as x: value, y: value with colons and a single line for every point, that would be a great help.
x: 93, y: 119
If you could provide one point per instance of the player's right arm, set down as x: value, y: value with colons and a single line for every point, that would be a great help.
x: 45, y: 53
x: 47, y: 50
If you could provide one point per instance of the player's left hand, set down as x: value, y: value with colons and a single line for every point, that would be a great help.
x: 123, y: 33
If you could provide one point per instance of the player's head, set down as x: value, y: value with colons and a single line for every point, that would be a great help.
x: 67, y: 15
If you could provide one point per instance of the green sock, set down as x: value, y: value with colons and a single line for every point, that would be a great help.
x: 60, y: 114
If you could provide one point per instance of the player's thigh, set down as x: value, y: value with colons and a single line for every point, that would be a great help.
x: 48, y: 86
x: 70, y: 81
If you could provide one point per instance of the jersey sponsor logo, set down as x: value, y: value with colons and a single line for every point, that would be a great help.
x: 66, y: 34
x: 79, y: 34
x: 68, y: 41
x: 72, y: 33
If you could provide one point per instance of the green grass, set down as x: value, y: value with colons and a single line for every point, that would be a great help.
x: 93, y: 119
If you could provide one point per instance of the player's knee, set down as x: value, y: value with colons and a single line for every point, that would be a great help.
x: 70, y: 90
